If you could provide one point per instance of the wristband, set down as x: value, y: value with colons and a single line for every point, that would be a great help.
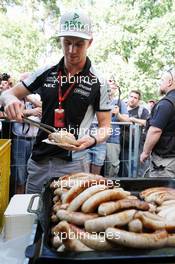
x: 95, y: 142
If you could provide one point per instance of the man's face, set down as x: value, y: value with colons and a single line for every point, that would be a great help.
x: 133, y: 100
x: 165, y: 82
x: 113, y: 88
x: 75, y: 49
x: 4, y: 85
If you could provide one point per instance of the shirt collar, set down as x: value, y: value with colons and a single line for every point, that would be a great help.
x: 85, y: 70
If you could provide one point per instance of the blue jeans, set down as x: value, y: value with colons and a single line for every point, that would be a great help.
x: 97, y: 154
x: 21, y: 151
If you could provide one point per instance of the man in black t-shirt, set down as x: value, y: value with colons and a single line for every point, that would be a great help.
x: 138, y: 114
x: 160, y: 139
x: 75, y: 88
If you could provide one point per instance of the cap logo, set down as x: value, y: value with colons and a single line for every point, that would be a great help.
x: 76, y: 16
x: 74, y: 24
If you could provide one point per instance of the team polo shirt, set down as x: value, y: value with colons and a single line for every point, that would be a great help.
x: 90, y: 94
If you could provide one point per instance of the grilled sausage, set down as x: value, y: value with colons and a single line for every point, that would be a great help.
x: 153, y: 194
x: 137, y: 240
x: 63, y: 137
x: 107, y: 195
x: 154, y: 222
x: 69, y: 239
x: 82, y: 197
x: 97, y: 241
x: 101, y: 223
x: 77, y: 218
x: 56, y: 241
x: 94, y: 179
x: 111, y: 207
x: 165, y: 197
x: 135, y: 226
x: 171, y: 240
x: 79, y: 187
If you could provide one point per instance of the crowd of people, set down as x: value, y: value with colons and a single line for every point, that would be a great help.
x: 73, y: 95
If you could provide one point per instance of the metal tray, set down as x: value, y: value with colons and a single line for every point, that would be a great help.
x: 134, y: 185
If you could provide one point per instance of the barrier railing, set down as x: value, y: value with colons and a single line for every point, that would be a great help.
x: 133, y: 149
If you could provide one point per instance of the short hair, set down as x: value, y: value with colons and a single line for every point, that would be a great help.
x: 137, y: 92
x: 5, y: 76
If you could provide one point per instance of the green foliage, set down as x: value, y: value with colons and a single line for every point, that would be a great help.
x: 133, y: 39
x: 21, y: 45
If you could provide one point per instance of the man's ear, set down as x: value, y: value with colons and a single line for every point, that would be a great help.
x: 170, y: 82
x: 90, y: 42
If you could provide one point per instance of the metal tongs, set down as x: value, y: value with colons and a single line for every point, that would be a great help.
x: 42, y: 126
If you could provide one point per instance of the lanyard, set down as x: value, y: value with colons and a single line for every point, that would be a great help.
x: 61, y: 98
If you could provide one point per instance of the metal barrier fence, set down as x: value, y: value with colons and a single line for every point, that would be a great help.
x: 133, y: 148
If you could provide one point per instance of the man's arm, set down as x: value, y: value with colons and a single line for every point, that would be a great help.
x: 34, y: 99
x: 102, y: 133
x: 152, y: 137
x: 11, y: 100
x: 121, y: 117
x: 141, y: 122
x: 104, y: 126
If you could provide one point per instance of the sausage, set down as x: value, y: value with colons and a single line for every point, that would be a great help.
x: 135, y: 226
x: 151, y: 221
x: 75, y: 175
x: 104, y: 196
x: 137, y: 240
x: 96, y: 241
x: 63, y: 137
x: 94, y: 179
x: 81, y: 186
x: 69, y: 239
x: 59, y: 191
x: 149, y: 191
x: 83, y: 196
x: 54, y: 184
x: 168, y: 202
x: 171, y: 240
x: 56, y: 207
x: 101, y: 223
x: 77, y: 218
x: 154, y: 221
x: 56, y: 199
x: 54, y: 218
x: 56, y: 241
x: 168, y: 214
x: 152, y: 194
x: 152, y: 208
x: 164, y: 212
x: 165, y: 197
x: 111, y: 207
x: 61, y: 248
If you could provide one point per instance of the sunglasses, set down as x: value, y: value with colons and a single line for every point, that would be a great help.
x: 171, y: 74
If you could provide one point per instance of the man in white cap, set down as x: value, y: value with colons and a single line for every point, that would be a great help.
x: 71, y: 93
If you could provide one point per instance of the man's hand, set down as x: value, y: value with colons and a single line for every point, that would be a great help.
x: 132, y: 119
x: 83, y: 142
x: 115, y: 110
x: 143, y: 156
x: 14, y: 110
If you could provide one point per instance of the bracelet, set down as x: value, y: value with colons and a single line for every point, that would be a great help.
x: 95, y: 142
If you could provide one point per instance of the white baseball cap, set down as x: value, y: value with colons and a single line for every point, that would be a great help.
x: 75, y: 24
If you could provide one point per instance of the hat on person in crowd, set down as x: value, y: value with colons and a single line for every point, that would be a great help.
x: 75, y: 24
